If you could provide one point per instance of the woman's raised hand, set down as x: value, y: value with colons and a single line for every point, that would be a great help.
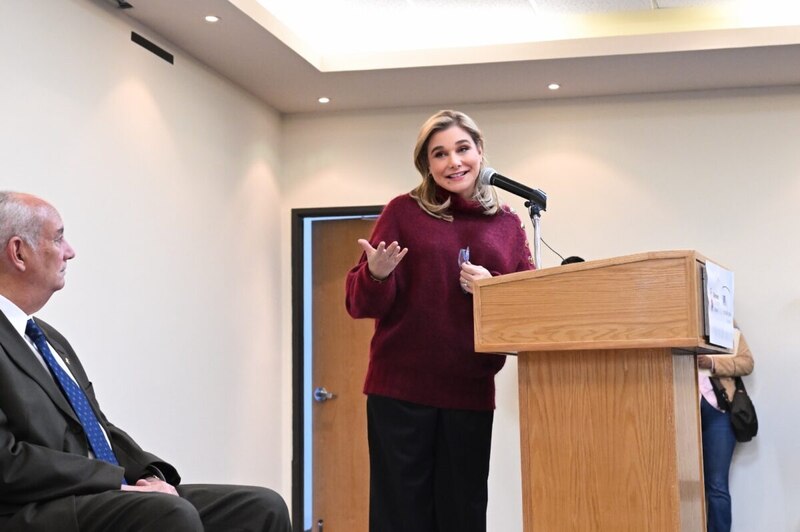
x: 384, y: 259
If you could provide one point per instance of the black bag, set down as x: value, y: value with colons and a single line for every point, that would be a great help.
x: 743, y: 414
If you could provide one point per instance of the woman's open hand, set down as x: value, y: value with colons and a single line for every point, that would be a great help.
x: 384, y: 259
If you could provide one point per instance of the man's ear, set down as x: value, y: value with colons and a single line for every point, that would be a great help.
x: 16, y: 253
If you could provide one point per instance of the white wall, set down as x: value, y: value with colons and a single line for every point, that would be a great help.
x: 165, y: 178
x: 168, y: 176
x: 717, y: 171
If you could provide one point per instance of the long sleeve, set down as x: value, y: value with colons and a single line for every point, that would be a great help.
x: 735, y: 366
x: 365, y: 297
x: 33, y: 472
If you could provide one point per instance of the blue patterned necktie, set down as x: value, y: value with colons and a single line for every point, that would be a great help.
x: 80, y: 404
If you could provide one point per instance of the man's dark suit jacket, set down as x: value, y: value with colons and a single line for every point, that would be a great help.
x: 43, y: 450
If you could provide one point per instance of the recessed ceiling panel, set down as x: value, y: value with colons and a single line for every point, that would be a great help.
x: 258, y: 51
x: 573, y: 7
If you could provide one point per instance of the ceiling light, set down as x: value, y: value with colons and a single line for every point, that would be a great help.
x: 212, y: 18
x: 324, y: 99
x: 554, y: 86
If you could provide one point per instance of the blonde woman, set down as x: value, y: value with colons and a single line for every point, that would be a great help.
x: 430, y: 397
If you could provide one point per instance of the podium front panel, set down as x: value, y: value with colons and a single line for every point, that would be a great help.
x: 610, y: 441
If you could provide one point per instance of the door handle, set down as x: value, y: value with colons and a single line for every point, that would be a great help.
x: 321, y: 394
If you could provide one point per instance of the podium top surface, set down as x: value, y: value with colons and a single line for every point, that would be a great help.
x: 651, y: 299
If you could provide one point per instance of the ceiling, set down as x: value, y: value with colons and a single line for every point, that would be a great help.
x: 370, y: 54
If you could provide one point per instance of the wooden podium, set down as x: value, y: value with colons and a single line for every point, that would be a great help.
x: 608, y: 395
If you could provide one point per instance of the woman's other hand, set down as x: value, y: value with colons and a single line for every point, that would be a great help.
x: 470, y: 273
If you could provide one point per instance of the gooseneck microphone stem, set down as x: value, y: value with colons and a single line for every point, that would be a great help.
x: 533, y: 212
x: 535, y: 201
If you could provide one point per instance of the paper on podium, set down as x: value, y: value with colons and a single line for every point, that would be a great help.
x: 719, y: 305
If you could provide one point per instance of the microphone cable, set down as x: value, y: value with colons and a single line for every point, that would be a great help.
x: 551, y: 249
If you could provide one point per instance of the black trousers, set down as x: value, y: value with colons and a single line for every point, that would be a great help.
x: 200, y: 508
x: 428, y: 467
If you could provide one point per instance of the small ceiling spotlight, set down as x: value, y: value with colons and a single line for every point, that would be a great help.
x: 212, y: 18
x: 553, y: 86
x: 324, y: 99
x: 122, y: 4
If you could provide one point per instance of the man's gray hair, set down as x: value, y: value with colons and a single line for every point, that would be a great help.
x: 18, y: 219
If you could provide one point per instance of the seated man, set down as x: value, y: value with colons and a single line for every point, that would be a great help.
x: 63, y: 466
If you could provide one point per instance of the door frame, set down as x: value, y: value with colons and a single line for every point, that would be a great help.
x: 298, y: 219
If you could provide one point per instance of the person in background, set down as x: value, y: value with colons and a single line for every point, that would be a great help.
x: 719, y: 440
x: 430, y: 396
x: 63, y: 465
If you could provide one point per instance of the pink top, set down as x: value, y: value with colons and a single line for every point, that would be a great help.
x: 706, y: 390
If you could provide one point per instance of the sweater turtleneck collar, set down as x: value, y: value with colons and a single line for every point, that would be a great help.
x: 459, y: 204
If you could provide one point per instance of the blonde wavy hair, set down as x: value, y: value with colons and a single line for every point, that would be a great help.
x: 425, y: 192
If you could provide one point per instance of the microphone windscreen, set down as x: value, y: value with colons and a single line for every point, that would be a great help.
x: 486, y: 175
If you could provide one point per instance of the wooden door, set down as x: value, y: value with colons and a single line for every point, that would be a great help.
x: 340, y: 352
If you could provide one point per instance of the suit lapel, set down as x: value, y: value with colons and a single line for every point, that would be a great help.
x: 62, y: 353
x: 20, y: 354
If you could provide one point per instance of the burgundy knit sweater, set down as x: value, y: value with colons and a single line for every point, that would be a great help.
x: 423, y: 348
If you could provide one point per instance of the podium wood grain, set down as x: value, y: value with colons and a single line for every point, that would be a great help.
x: 599, y: 445
x: 609, y: 405
x: 643, y: 300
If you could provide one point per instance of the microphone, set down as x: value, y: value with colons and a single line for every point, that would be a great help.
x: 536, y: 196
